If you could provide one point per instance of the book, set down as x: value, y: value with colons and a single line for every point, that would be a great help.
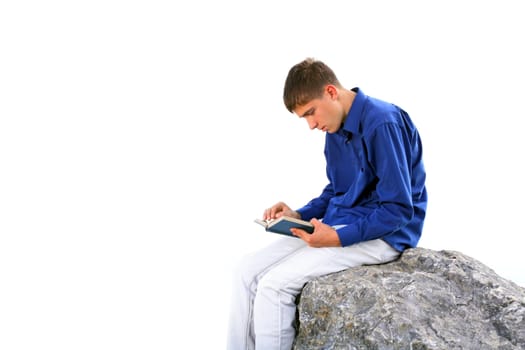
x: 283, y: 224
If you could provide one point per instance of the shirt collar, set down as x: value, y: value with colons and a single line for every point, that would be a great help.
x: 353, y: 119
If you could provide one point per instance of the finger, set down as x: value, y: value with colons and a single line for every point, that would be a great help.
x: 315, y: 222
x: 279, y: 209
x: 276, y: 211
x: 300, y: 233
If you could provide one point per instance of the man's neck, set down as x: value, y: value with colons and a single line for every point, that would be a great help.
x: 347, y: 98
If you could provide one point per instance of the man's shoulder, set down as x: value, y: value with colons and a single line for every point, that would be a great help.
x: 378, y: 112
x: 374, y: 105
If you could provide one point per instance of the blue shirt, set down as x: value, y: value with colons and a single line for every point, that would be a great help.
x: 376, y: 177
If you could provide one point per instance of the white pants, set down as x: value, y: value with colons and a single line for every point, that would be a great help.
x: 267, y: 282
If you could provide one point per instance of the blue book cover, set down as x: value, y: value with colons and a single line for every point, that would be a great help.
x: 283, y: 224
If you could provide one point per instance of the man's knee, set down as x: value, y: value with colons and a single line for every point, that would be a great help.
x: 274, y: 285
x: 246, y: 271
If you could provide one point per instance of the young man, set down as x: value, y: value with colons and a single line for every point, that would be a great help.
x: 371, y: 210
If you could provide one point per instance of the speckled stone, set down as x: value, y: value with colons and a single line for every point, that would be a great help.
x: 424, y: 300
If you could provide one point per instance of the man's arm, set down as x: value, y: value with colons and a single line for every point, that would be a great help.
x: 316, y: 208
x: 388, y: 152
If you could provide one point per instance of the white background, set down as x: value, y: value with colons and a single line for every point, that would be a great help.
x: 139, y: 139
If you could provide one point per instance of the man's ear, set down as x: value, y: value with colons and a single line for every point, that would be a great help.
x: 332, y: 91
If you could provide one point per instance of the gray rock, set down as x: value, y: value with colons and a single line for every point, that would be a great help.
x: 424, y: 300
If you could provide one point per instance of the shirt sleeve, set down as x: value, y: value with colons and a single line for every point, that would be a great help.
x: 316, y: 208
x: 389, y: 155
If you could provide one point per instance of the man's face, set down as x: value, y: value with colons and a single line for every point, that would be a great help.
x: 325, y: 113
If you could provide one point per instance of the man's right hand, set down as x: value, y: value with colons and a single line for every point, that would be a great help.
x: 279, y: 210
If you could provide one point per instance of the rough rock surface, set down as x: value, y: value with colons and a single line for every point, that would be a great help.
x: 424, y: 300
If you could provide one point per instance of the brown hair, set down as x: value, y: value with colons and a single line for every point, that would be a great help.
x: 306, y: 81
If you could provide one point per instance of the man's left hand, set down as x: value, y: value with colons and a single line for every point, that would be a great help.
x: 323, y: 235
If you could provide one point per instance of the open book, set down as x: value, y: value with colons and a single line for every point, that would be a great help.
x: 283, y: 224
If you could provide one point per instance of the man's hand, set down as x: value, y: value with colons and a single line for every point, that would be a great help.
x: 323, y: 235
x: 279, y: 210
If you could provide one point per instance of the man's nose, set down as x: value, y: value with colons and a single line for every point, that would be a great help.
x: 312, y: 124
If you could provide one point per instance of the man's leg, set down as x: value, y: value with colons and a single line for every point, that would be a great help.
x: 274, y: 305
x: 246, y: 277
